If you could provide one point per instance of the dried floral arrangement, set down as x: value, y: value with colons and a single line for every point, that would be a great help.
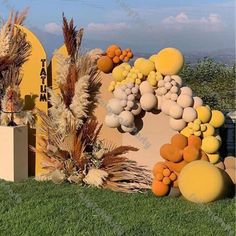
x: 69, y: 143
x: 14, y: 52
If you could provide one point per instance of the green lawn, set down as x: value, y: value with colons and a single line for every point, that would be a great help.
x: 34, y: 208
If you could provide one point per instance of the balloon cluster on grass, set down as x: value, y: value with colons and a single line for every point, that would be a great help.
x: 154, y: 84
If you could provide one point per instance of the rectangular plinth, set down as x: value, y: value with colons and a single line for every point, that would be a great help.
x: 13, y: 153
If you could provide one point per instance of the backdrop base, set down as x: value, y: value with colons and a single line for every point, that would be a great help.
x: 13, y: 153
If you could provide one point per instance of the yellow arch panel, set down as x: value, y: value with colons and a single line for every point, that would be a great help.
x: 34, y: 84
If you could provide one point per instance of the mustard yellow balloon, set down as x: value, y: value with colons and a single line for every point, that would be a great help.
x: 153, y: 58
x: 217, y: 118
x: 203, y: 114
x: 201, y: 182
x: 214, y: 158
x: 138, y: 62
x: 169, y: 61
x: 210, y: 144
x: 210, y: 130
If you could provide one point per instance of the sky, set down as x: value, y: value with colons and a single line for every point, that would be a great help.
x: 145, y: 26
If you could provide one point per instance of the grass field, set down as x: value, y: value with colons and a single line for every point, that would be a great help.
x: 34, y: 208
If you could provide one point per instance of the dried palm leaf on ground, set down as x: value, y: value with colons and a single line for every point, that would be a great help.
x: 125, y: 175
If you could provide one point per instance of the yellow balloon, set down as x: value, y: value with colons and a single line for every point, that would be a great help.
x: 210, y: 144
x: 169, y: 61
x: 204, y: 114
x: 213, y: 158
x: 201, y: 182
x: 217, y: 118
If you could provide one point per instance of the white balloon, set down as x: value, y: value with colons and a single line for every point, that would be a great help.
x: 136, y: 109
x: 114, y: 106
x: 128, y: 91
x: 119, y: 93
x: 126, y: 118
x: 148, y: 101
x: 146, y: 87
x: 159, y: 101
x: 130, y: 85
x: 123, y: 103
x: 197, y: 102
x: 186, y: 91
x: 177, y: 79
x: 174, y: 97
x: 177, y: 124
x: 128, y: 129
x: 174, y: 89
x: 189, y: 114
x: 167, y: 78
x: 185, y: 101
x: 131, y: 97
x: 168, y: 85
x: 176, y: 111
x: 112, y: 121
x: 161, y: 83
x: 134, y: 90
x: 130, y: 104
x: 165, y: 105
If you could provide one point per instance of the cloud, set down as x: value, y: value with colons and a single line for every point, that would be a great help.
x: 106, y: 27
x: 212, y: 22
x: 52, y: 28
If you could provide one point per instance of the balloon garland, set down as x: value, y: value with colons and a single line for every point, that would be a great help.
x: 154, y: 84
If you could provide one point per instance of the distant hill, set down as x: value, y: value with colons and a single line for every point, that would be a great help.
x: 52, y: 41
x: 226, y: 56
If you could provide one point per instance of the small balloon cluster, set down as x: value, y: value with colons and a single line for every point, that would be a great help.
x: 113, y: 57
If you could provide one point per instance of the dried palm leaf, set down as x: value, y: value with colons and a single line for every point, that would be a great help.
x: 125, y: 175
x: 72, y: 38
x: 119, y: 151
x: 20, y: 16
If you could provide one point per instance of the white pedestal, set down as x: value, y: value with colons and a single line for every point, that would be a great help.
x: 13, y: 153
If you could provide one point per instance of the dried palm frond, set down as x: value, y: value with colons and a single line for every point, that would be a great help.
x: 62, y: 68
x: 72, y: 38
x: 20, y: 48
x: 119, y: 151
x: 4, y: 40
x: 68, y: 89
x: 80, y: 100
x: 95, y: 177
x: 125, y: 175
x: 20, y: 16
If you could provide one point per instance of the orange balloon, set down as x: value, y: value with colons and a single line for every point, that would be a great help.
x: 130, y: 54
x: 173, y: 176
x: 159, y: 176
x: 171, y: 153
x: 111, y: 54
x: 166, y: 180
x: 158, y: 168
x: 177, y: 167
x: 179, y: 141
x: 121, y: 57
x: 159, y: 188
x: 124, y: 53
x: 112, y: 47
x: 175, y: 184
x: 194, y: 141
x: 126, y: 59
x: 166, y: 172
x: 105, y: 64
x: 118, y: 52
x: 191, y: 154
x: 116, y: 59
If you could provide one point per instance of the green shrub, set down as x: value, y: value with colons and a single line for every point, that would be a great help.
x: 214, y: 82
